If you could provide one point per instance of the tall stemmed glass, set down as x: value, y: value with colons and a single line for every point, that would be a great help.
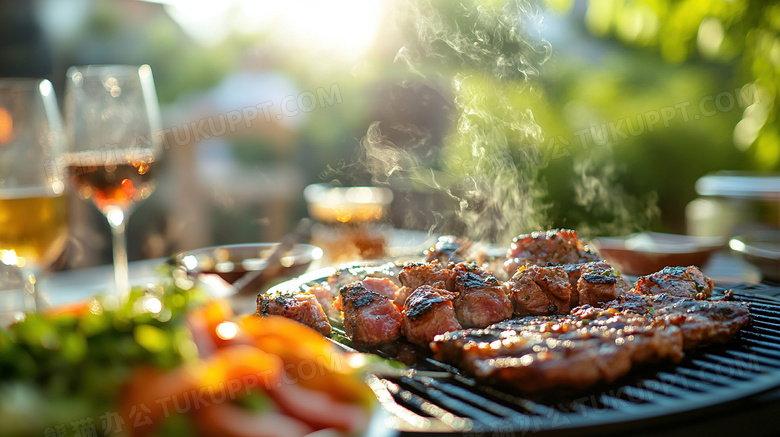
x: 33, y: 210
x: 112, y: 117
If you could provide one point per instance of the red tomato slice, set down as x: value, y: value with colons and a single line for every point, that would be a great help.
x: 318, y: 409
x: 228, y: 420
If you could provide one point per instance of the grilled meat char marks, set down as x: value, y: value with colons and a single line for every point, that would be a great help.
x: 554, y: 247
x: 301, y: 307
x: 701, y: 321
x: 676, y: 281
x: 561, y: 353
x: 427, y: 312
x: 599, y: 282
x: 538, y: 291
x: 370, y: 319
x: 481, y: 300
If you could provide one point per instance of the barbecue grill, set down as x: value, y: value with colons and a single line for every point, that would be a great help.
x: 446, y: 401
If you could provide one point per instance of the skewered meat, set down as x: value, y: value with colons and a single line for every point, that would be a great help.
x: 481, y: 300
x: 676, y: 281
x: 598, y: 283
x: 537, y: 291
x: 298, y: 306
x: 427, y: 312
x: 701, y: 321
x: 554, y: 247
x: 370, y: 319
x: 564, y: 352
x: 447, y: 249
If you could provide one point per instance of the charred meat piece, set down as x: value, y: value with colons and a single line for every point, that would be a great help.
x: 299, y: 306
x: 383, y: 286
x: 538, y: 291
x: 676, y: 281
x: 370, y: 319
x: 554, y: 247
x: 433, y: 273
x: 427, y: 312
x: 599, y: 283
x: 558, y: 353
x: 481, y: 299
x: 573, y: 272
x: 449, y: 249
x: 701, y: 321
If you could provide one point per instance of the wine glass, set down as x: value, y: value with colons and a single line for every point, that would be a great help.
x: 33, y: 210
x: 112, y: 114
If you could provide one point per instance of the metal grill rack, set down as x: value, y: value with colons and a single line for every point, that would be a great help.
x: 714, y: 376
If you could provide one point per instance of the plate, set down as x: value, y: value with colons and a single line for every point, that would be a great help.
x: 649, y: 252
x: 761, y: 249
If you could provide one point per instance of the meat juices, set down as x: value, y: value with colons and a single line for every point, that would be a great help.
x: 301, y: 307
x: 676, y: 281
x: 599, y: 283
x: 539, y: 291
x: 558, y: 353
x: 427, y: 312
x: 481, y: 300
x: 370, y: 319
x: 701, y: 321
x: 554, y: 247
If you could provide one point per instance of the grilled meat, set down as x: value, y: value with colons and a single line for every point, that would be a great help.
x: 427, y: 312
x: 701, y: 321
x: 326, y: 299
x: 676, y: 281
x: 433, y: 273
x: 537, y: 291
x: 554, y: 247
x: 447, y: 249
x: 562, y: 353
x: 370, y: 319
x: 299, y: 306
x: 383, y: 286
x: 481, y: 299
x: 599, y: 283
x: 573, y: 272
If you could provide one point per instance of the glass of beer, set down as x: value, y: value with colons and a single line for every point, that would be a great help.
x: 33, y: 210
x: 112, y: 116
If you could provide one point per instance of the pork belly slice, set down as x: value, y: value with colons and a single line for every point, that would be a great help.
x: 676, y: 281
x: 537, y: 291
x: 370, y: 319
x: 702, y: 322
x: 558, y: 353
x: 427, y: 312
x: 599, y: 282
x: 481, y: 299
x: 553, y: 247
x: 299, y: 306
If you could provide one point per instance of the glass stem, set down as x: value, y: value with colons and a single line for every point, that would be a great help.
x: 117, y: 220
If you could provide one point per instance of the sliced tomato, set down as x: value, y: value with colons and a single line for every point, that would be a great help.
x: 229, y: 420
x: 320, y: 410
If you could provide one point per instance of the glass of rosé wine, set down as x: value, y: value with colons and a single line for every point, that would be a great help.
x: 111, y: 121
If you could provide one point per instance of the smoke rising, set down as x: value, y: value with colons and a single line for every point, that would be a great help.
x: 489, y: 54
